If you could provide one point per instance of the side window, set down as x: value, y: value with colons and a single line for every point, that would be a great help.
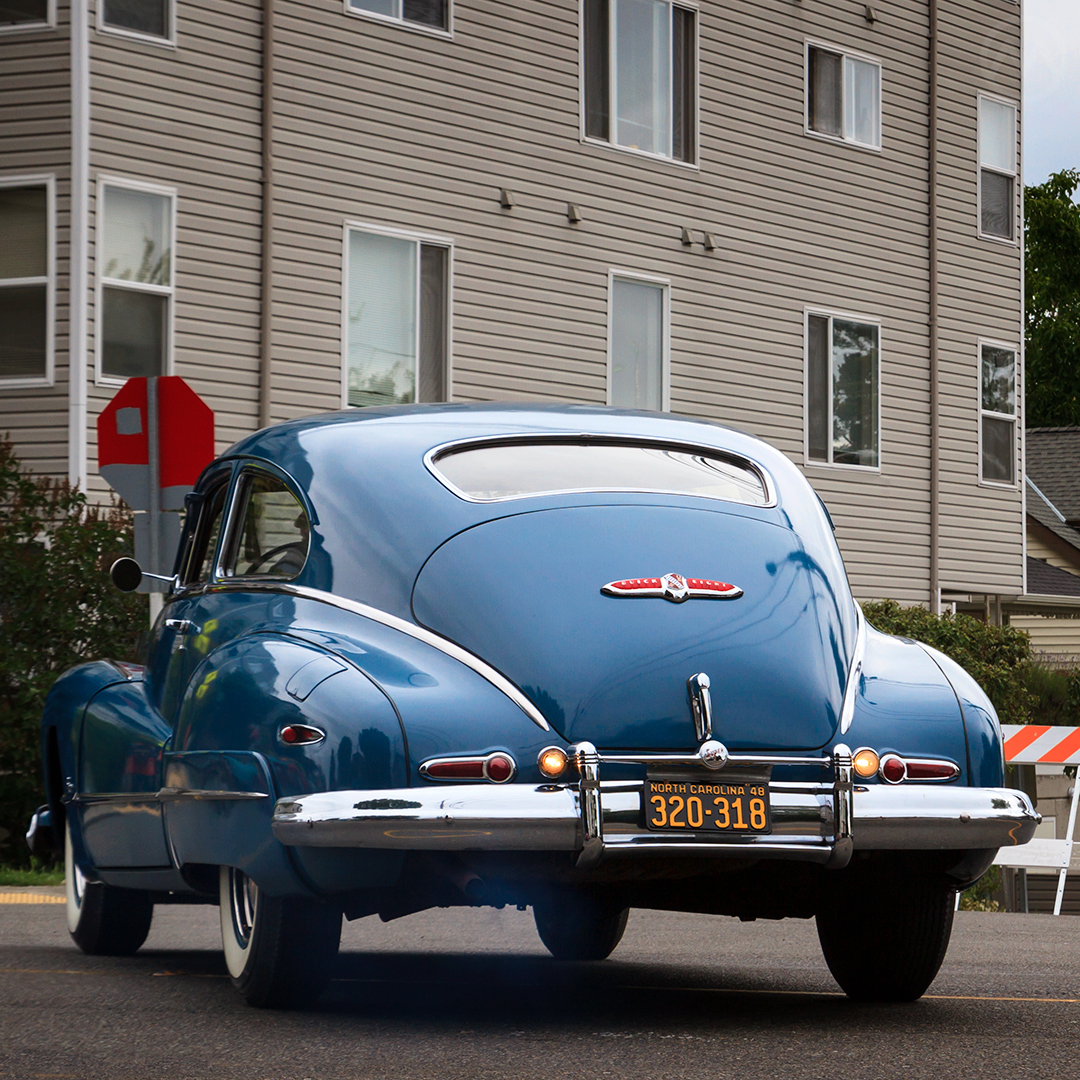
x: 998, y: 414
x: 843, y: 96
x: 207, y: 531
x: 997, y: 169
x: 272, y: 533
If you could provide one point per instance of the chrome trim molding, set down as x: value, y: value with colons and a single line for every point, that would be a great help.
x: 517, y: 438
x: 420, y: 633
x: 165, y: 794
x: 851, y: 690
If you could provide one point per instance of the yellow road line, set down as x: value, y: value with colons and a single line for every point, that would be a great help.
x: 29, y: 898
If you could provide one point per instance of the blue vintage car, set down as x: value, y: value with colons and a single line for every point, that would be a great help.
x: 574, y: 658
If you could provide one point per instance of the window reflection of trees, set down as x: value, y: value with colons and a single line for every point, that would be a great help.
x: 855, y: 393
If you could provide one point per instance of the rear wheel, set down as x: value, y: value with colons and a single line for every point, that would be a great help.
x: 884, y: 930
x: 280, y: 951
x: 575, y: 927
x: 102, y: 920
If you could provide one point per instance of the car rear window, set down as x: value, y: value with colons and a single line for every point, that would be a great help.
x: 491, y: 472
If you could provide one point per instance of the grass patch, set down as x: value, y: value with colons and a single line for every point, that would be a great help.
x: 49, y: 876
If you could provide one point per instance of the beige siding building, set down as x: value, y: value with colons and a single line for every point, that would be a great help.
x: 797, y: 218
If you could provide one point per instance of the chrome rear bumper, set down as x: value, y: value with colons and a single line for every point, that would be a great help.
x: 820, y: 823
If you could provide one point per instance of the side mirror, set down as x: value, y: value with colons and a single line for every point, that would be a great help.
x: 126, y: 574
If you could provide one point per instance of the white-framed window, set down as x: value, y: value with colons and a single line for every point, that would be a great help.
x: 27, y: 280
x: 153, y: 21
x: 639, y: 341
x: 843, y: 389
x: 997, y: 413
x: 997, y: 168
x: 843, y: 95
x: 18, y: 15
x: 135, y: 242
x: 430, y: 16
x: 639, y: 76
x: 395, y: 316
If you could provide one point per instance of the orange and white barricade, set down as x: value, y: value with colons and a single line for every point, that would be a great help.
x: 1034, y: 744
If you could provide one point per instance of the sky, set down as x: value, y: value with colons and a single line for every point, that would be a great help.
x: 1051, y: 87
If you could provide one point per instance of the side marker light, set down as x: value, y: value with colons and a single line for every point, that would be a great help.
x: 552, y: 762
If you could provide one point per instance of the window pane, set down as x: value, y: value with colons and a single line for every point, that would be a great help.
x: 137, y: 233
x: 596, y: 69
x: 996, y: 204
x: 643, y: 75
x: 24, y: 232
x: 683, y: 80
x: 535, y: 468
x: 273, y: 538
x: 824, y: 91
x: 143, y: 16
x: 997, y: 135
x: 392, y: 8
x: 817, y: 387
x: 998, y: 450
x: 998, y: 380
x: 862, y: 115
x: 210, y: 530
x: 23, y: 313
x: 13, y: 12
x: 133, y: 332
x: 381, y: 319
x: 428, y: 12
x: 432, y: 323
x: 855, y: 393
x: 637, y: 344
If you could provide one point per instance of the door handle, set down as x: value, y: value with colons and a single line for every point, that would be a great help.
x: 181, y: 626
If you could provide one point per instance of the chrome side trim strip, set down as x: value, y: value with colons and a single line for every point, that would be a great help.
x: 165, y: 794
x: 851, y: 691
x: 428, y: 637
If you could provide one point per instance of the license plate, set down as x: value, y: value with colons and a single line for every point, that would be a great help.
x: 739, y: 809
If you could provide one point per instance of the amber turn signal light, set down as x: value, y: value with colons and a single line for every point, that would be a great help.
x: 865, y: 762
x: 552, y: 762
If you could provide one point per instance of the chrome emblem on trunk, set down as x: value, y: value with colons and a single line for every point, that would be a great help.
x: 673, y: 587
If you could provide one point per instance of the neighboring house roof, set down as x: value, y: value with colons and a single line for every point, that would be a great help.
x: 1053, y: 463
x: 1046, y: 580
x: 1049, y: 516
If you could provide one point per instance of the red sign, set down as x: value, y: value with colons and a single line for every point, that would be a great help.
x: 182, y: 427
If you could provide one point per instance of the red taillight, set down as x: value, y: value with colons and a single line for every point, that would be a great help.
x: 296, y: 734
x: 497, y: 768
x: 893, y: 770
x: 458, y: 769
x: 931, y: 770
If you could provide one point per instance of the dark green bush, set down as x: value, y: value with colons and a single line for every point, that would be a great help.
x: 57, y: 609
x: 999, y: 658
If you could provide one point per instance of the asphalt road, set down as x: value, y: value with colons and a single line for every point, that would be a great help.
x: 473, y: 994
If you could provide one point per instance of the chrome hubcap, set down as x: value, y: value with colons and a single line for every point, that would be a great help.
x: 244, y: 896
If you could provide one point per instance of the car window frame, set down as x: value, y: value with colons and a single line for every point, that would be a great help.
x: 232, y: 522
x: 189, y: 541
x: 431, y: 460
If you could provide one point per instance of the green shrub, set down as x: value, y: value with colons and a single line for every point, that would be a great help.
x: 57, y: 609
x: 998, y: 658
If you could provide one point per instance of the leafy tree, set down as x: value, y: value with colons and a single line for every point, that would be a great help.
x: 57, y: 609
x: 1052, y: 288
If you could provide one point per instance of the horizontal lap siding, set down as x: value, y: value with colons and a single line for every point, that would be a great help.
x: 981, y: 296
x: 376, y: 124
x: 35, y: 139
x: 190, y: 118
